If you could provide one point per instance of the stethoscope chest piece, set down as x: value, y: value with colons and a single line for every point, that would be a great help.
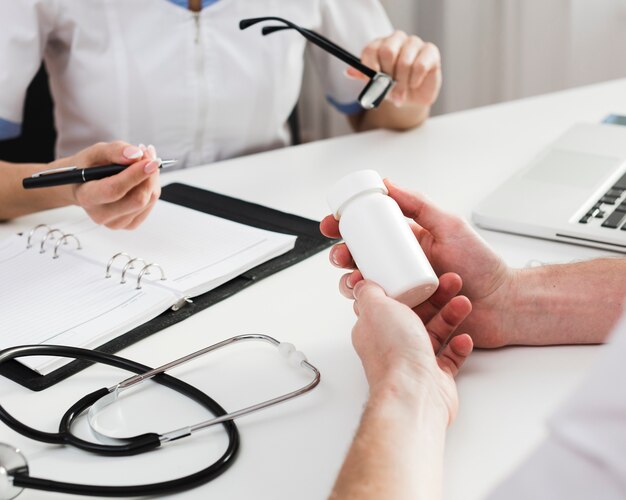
x: 12, y: 463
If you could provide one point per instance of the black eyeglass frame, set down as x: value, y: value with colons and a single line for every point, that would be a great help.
x: 379, y: 84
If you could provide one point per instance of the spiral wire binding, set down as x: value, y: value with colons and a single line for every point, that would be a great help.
x: 50, y: 235
x: 33, y: 231
x: 63, y: 239
x: 112, y: 259
x: 145, y: 270
x: 130, y: 264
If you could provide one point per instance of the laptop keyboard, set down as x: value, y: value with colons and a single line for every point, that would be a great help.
x: 611, y: 207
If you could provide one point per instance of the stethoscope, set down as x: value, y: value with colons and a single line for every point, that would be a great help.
x: 14, y: 472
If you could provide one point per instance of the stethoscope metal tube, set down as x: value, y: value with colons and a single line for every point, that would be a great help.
x: 288, y: 350
x: 14, y: 473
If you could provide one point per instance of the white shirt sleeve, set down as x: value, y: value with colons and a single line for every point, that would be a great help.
x: 585, y: 454
x: 24, y: 28
x: 351, y: 24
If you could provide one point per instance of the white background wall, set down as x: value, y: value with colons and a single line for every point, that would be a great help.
x: 496, y: 50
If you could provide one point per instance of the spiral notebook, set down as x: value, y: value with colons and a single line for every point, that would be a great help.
x: 81, y: 284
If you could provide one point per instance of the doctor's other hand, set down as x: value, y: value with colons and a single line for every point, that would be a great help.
x: 451, y: 246
x: 401, y: 353
x: 415, y: 65
x: 124, y: 200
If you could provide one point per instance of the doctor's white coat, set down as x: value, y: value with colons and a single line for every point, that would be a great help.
x: 151, y: 71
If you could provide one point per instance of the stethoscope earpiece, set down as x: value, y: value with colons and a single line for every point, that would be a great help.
x: 12, y: 463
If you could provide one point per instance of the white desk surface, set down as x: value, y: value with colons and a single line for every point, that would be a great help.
x: 295, y: 450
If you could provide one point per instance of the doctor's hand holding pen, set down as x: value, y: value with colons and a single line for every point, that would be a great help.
x: 124, y: 200
x: 534, y: 306
x: 415, y: 66
x: 121, y: 201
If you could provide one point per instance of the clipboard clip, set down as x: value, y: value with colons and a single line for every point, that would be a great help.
x: 53, y: 171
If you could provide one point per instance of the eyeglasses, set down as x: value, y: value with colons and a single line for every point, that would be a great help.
x: 377, y: 87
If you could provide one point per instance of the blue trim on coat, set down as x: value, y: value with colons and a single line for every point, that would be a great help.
x: 185, y: 4
x: 9, y: 129
x: 347, y: 108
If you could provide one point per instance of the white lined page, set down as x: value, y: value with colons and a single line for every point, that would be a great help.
x: 67, y: 301
x: 197, y: 251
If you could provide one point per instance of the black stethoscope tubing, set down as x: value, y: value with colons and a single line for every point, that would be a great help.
x: 133, y: 445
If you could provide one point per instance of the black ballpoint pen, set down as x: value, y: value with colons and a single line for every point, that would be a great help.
x: 76, y: 175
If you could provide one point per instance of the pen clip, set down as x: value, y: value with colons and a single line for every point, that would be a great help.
x: 53, y: 171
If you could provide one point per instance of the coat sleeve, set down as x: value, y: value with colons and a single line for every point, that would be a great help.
x: 24, y: 29
x: 584, y: 455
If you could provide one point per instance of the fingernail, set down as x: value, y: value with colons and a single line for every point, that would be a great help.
x: 349, y: 282
x: 151, y: 167
x: 333, y: 259
x: 143, y: 147
x: 353, y: 75
x: 357, y: 289
x: 152, y: 152
x: 132, y: 152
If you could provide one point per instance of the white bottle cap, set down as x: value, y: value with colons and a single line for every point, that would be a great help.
x: 353, y: 185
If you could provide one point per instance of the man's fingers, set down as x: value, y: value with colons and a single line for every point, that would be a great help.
x: 418, y: 208
x: 419, y: 232
x: 453, y: 355
x: 448, y: 319
x: 329, y: 227
x: 450, y: 285
x: 347, y: 283
x: 367, y: 292
x: 340, y: 256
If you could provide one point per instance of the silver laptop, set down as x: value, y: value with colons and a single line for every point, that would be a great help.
x: 574, y: 191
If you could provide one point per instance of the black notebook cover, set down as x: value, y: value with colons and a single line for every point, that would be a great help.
x: 309, y: 242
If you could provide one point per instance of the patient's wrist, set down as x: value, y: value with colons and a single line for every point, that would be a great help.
x: 415, y: 392
x: 491, y: 322
x: 551, y: 304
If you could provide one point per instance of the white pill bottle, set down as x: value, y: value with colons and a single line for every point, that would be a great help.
x: 379, y: 238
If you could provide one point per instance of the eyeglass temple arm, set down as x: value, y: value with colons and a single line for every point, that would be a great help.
x: 268, y: 30
x: 314, y: 38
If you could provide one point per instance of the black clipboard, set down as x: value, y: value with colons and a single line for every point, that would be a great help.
x: 309, y: 241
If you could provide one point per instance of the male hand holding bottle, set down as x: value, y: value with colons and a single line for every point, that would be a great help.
x: 411, y: 384
x: 535, y: 306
